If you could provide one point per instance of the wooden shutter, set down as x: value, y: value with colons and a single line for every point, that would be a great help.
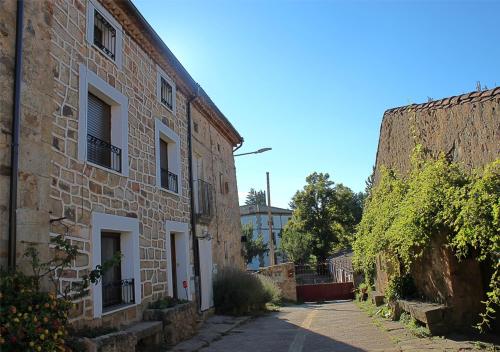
x: 99, y: 119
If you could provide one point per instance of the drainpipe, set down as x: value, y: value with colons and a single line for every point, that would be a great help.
x: 14, y: 153
x: 196, y: 249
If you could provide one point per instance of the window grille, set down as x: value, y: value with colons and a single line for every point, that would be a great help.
x: 166, y: 93
x: 104, y: 35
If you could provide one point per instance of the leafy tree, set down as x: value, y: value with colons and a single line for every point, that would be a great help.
x: 326, y: 212
x: 256, y: 197
x: 254, y: 247
x: 296, y: 245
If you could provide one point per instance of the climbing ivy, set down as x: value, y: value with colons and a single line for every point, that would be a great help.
x: 404, y: 213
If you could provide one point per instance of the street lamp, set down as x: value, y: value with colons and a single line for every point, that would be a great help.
x: 262, y: 150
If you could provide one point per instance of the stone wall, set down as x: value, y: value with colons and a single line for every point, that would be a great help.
x: 218, y: 161
x: 440, y: 277
x: 37, y: 106
x: 284, y: 276
x: 179, y: 322
x: 467, y: 129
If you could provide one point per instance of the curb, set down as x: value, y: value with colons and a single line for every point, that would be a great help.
x: 205, y: 338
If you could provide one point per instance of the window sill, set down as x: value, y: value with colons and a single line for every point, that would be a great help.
x: 166, y: 107
x: 117, y: 308
x: 168, y: 191
x: 111, y: 171
x: 105, y: 55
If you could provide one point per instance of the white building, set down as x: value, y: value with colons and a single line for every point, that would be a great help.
x: 257, y: 216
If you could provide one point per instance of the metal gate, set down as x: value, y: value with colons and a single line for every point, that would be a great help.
x: 321, y: 283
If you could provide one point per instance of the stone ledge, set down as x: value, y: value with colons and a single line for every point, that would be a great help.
x: 433, y: 315
x: 126, y: 340
x: 377, y: 298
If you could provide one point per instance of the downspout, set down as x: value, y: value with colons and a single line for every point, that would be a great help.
x: 14, y: 153
x: 196, y: 249
x: 238, y: 147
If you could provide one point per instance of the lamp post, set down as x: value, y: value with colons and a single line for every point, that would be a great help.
x: 262, y: 150
x: 272, y: 260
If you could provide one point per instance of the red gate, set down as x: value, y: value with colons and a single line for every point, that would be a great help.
x: 321, y: 282
x: 325, y: 292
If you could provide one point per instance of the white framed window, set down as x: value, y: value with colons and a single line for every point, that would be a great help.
x: 104, y: 32
x: 168, y: 158
x: 102, y: 124
x: 120, y: 287
x: 165, y: 90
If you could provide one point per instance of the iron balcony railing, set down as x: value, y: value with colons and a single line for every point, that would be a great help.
x: 118, y: 293
x: 204, y: 205
x: 169, y: 181
x: 103, y: 153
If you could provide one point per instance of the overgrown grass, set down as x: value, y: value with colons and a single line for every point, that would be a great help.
x: 238, y: 292
x: 412, y: 325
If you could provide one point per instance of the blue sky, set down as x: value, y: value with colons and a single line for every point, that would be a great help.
x: 311, y: 79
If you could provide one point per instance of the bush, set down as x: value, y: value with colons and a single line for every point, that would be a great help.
x: 238, y: 292
x: 272, y: 293
x: 30, y: 320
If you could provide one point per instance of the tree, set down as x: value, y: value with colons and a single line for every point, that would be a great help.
x: 324, y: 217
x: 256, y: 197
x: 295, y: 245
x: 253, y: 247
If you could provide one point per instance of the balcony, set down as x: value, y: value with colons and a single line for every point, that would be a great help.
x: 104, y: 154
x: 204, y: 201
x: 169, y: 181
x: 117, y: 293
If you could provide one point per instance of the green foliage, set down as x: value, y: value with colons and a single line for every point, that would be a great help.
x: 400, y: 287
x: 253, y: 247
x: 166, y: 302
x: 324, y: 217
x: 414, y: 326
x: 238, y: 292
x: 296, y: 245
x: 256, y: 197
x: 402, y: 214
x: 32, y: 319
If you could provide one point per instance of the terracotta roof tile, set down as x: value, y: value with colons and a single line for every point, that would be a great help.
x: 449, y: 101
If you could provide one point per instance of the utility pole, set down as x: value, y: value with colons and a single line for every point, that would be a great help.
x: 270, y: 221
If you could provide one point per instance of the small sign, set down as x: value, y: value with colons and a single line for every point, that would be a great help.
x: 184, y: 284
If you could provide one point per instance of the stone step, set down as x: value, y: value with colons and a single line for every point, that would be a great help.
x: 145, y: 329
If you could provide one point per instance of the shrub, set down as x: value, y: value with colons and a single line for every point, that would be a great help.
x: 238, y: 292
x: 272, y: 293
x: 400, y: 287
x: 30, y: 320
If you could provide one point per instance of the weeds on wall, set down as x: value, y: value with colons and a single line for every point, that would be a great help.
x: 402, y: 214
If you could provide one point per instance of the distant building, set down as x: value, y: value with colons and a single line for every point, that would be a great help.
x: 258, y: 217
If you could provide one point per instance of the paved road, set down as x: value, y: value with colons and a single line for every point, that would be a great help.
x: 337, y: 326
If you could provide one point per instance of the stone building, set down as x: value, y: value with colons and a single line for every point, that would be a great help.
x: 467, y: 129
x: 119, y: 149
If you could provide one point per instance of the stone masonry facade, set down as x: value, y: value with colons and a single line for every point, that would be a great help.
x: 56, y: 183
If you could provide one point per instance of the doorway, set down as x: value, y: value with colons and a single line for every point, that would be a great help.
x: 173, y: 265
